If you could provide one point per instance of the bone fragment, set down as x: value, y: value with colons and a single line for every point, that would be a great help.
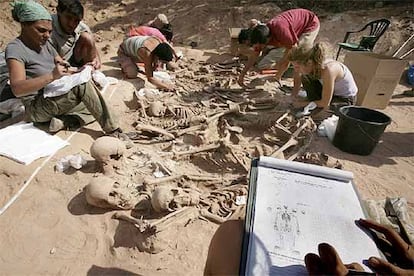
x: 181, y: 216
x: 246, y: 168
x: 189, y: 129
x: 239, y: 213
x: 141, y: 103
x: 283, y: 128
x: 233, y: 108
x: 158, y: 130
x: 198, y: 150
x: 282, y: 117
x: 301, y: 150
x: 292, y: 140
x: 142, y: 225
x: 211, y: 217
x: 202, y: 178
x: 152, y: 181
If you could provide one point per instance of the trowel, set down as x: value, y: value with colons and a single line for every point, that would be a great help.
x: 306, y: 110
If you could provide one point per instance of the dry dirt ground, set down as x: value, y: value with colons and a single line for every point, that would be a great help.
x: 51, y: 230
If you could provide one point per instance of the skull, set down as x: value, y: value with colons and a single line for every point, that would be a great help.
x: 104, y: 192
x: 156, y: 109
x: 109, y: 152
x: 171, y: 199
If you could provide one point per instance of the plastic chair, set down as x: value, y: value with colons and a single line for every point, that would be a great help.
x: 367, y: 42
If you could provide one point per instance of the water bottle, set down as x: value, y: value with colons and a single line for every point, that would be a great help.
x: 410, y: 74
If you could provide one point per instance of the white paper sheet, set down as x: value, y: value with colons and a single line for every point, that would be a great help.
x: 295, y: 210
x: 66, y: 83
x: 25, y: 143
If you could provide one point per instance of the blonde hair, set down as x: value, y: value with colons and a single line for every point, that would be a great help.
x: 316, y: 55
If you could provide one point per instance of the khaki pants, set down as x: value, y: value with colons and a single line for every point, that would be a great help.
x: 306, y: 40
x: 128, y: 64
x: 269, y: 60
x: 83, y: 101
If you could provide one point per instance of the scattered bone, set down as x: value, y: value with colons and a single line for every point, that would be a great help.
x: 216, y: 121
x: 197, y: 150
x: 211, y: 217
x: 293, y: 139
x: 156, y: 181
x: 181, y: 216
x: 142, y: 225
x: 319, y: 158
x: 232, y: 108
x: 149, y: 128
x: 142, y: 107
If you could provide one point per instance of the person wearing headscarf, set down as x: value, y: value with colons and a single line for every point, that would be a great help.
x: 33, y: 63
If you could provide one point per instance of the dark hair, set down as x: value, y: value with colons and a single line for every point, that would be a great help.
x: 259, y: 34
x: 71, y: 6
x: 244, y: 35
x: 164, y: 52
x: 167, y: 31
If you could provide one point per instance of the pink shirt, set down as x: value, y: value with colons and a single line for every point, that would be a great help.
x: 287, y: 27
x: 146, y: 31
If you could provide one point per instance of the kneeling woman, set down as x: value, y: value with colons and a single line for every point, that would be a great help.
x: 328, y: 83
x: 147, y: 49
x: 33, y: 63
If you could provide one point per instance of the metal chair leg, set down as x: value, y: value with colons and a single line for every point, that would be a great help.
x: 339, y: 50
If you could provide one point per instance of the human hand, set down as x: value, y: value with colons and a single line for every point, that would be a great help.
x: 328, y: 262
x: 298, y: 102
x: 397, y: 251
x: 168, y: 86
x: 96, y: 63
x: 60, y: 71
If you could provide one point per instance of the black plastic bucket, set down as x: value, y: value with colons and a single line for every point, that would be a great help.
x: 359, y: 129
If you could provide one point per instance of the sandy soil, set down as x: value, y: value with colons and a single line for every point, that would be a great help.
x: 51, y: 230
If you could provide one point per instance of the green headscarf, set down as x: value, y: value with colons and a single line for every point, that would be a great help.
x: 29, y: 11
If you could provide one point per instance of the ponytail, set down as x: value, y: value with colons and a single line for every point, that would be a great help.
x: 316, y: 55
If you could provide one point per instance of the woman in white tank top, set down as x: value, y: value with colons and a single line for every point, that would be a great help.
x: 328, y: 83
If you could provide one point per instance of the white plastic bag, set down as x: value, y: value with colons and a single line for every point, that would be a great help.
x: 328, y: 127
x: 103, y: 80
x: 162, y: 75
x: 75, y: 161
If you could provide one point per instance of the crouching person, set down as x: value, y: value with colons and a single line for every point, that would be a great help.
x: 71, y: 37
x: 328, y: 83
x: 33, y: 63
x: 149, y: 50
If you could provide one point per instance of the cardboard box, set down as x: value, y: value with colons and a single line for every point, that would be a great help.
x: 376, y: 77
x: 234, y: 40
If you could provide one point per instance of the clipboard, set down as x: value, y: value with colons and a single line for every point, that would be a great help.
x: 296, y: 171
